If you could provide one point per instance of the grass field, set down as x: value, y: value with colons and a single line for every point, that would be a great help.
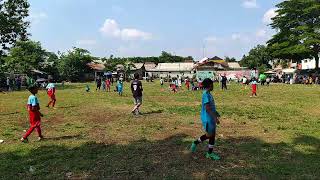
x: 94, y: 136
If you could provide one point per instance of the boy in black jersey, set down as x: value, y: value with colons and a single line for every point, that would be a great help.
x: 136, y: 88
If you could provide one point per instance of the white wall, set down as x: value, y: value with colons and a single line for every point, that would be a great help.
x: 309, y: 64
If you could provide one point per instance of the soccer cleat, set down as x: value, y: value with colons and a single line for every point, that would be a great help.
x: 40, y: 138
x: 193, y: 147
x: 212, y: 156
x: 24, y: 140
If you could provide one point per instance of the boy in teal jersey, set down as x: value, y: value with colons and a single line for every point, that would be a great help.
x: 209, y: 117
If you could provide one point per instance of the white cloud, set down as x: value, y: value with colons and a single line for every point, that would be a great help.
x: 268, y: 15
x: 86, y: 42
x: 250, y: 4
x: 261, y: 33
x: 36, y: 18
x: 134, y: 34
x: 111, y: 28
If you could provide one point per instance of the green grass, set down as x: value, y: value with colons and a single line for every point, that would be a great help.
x: 94, y: 136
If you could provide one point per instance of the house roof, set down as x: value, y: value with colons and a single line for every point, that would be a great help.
x: 211, y: 65
x: 173, y: 67
x: 137, y: 66
x: 149, y: 66
x: 96, y: 66
x: 120, y: 67
x: 216, y: 58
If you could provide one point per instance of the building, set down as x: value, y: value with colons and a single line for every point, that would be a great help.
x: 207, y: 67
x: 97, y: 70
x: 168, y: 70
x: 308, y: 64
x: 149, y: 66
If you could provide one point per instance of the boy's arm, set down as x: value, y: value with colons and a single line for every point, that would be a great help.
x: 215, y: 115
x: 131, y: 87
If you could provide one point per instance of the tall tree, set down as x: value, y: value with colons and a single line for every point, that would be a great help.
x: 298, y: 30
x: 13, y: 25
x: 258, y: 57
x: 50, y: 65
x: 73, y: 65
x: 25, y: 56
x: 228, y: 59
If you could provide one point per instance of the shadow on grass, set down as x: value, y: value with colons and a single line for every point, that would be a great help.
x: 6, y: 114
x: 246, y: 157
x: 63, y: 137
x: 65, y: 107
x: 152, y: 112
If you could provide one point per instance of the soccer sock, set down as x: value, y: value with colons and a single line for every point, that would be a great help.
x: 201, y: 139
x: 211, y: 143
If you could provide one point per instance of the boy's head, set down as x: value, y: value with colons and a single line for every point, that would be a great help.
x: 136, y: 76
x: 33, y: 89
x: 207, y: 84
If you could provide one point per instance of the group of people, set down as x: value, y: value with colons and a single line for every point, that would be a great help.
x: 105, y: 83
x: 209, y: 115
x: 33, y: 105
x: 13, y: 84
x: 176, y: 83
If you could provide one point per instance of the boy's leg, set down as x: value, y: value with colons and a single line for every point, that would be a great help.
x: 210, y: 154
x: 211, y: 143
x: 38, y: 128
x: 198, y: 141
x: 201, y: 139
x: 54, y: 102
x: 28, y: 132
x: 49, y: 103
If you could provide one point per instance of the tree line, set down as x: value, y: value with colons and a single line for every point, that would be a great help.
x: 297, y: 24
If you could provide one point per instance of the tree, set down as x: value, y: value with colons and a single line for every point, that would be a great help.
x: 25, y: 56
x: 128, y: 69
x: 13, y: 25
x: 228, y: 59
x: 298, y: 30
x: 50, y: 65
x: 73, y: 65
x: 258, y: 57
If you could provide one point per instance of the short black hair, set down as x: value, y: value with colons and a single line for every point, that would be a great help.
x: 32, y: 87
x: 206, y: 83
x: 136, y: 75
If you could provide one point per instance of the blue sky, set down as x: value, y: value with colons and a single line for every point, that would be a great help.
x: 146, y: 27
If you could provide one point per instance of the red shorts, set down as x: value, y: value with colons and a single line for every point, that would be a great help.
x: 34, y: 118
x: 51, y: 95
x: 254, y: 88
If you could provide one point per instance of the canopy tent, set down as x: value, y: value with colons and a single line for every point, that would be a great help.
x: 270, y: 72
x: 289, y: 71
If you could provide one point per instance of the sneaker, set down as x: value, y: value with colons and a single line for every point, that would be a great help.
x: 24, y: 140
x: 193, y: 147
x: 212, y: 156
